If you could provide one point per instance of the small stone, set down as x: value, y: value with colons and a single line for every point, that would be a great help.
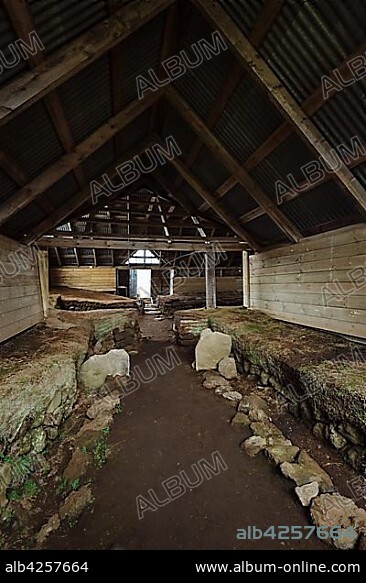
x: 306, y: 471
x: 282, y: 453
x: 220, y: 391
x: 101, y: 406
x: 240, y: 420
x: 39, y: 440
x: 213, y: 380
x: 246, y: 366
x: 319, y: 430
x: 355, y: 456
x: 78, y: 465
x: 249, y: 402
x: 335, y: 438
x: 351, y: 433
x: 76, y: 502
x: 253, y: 445
x: 307, y: 492
x: 267, y: 429
x: 232, y: 395
x: 326, y: 484
x: 5, y: 481
x: 52, y: 525
x: 264, y: 378
x: 346, y: 540
x: 334, y: 510
x: 257, y: 415
x: 227, y: 368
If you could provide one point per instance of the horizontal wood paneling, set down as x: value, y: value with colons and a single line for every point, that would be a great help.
x: 20, y: 294
x: 320, y: 282
x: 192, y: 285
x: 89, y: 278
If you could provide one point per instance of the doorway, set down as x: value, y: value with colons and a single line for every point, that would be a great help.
x: 143, y: 283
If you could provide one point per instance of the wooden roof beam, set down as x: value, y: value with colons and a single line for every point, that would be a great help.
x: 227, y: 160
x: 155, y: 244
x: 62, y: 213
x: 213, y: 204
x: 312, y: 104
x: 283, y: 100
x: 64, y: 63
x: 266, y: 18
x: 22, y: 21
x: 73, y: 159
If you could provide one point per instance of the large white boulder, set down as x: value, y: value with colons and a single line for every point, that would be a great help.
x: 212, y: 347
x: 97, y: 368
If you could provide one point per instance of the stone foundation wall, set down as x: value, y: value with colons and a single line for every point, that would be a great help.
x: 39, y: 374
x: 320, y: 377
x: 170, y: 304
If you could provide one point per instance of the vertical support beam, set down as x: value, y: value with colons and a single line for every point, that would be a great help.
x: 246, y: 280
x: 171, y: 282
x: 210, y: 277
x: 43, y: 271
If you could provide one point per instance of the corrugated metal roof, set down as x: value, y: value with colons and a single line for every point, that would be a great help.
x: 201, y: 85
x: 59, y: 21
x: 7, y: 52
x: 309, y: 39
x: 30, y: 139
x: 98, y: 162
x: 135, y: 132
x: 61, y: 191
x: 320, y: 206
x: 344, y: 116
x: 265, y: 230
x: 243, y: 12
x: 287, y: 158
x: 139, y: 53
x: 209, y: 170
x: 25, y: 220
x: 86, y: 99
x: 7, y: 187
x: 248, y: 119
x: 181, y: 132
x: 238, y: 201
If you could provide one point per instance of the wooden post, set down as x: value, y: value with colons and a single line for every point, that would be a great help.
x: 246, y: 280
x: 43, y: 270
x: 210, y: 276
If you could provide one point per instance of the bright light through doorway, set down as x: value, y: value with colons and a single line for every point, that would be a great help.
x: 144, y: 283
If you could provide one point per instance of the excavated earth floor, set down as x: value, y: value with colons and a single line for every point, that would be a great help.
x: 165, y: 426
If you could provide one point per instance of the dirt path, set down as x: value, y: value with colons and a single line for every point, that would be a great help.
x: 166, y: 426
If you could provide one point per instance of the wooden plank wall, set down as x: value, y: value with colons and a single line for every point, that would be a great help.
x: 89, y: 278
x: 320, y: 282
x: 193, y: 285
x: 20, y: 292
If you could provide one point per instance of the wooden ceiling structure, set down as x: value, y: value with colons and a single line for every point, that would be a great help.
x: 242, y: 119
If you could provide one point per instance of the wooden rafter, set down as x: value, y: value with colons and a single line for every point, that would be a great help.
x: 283, y: 100
x: 225, y: 157
x: 310, y: 106
x: 213, y: 204
x: 266, y: 18
x: 64, y: 63
x: 73, y: 159
x: 184, y: 203
x: 22, y: 21
x: 158, y: 244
